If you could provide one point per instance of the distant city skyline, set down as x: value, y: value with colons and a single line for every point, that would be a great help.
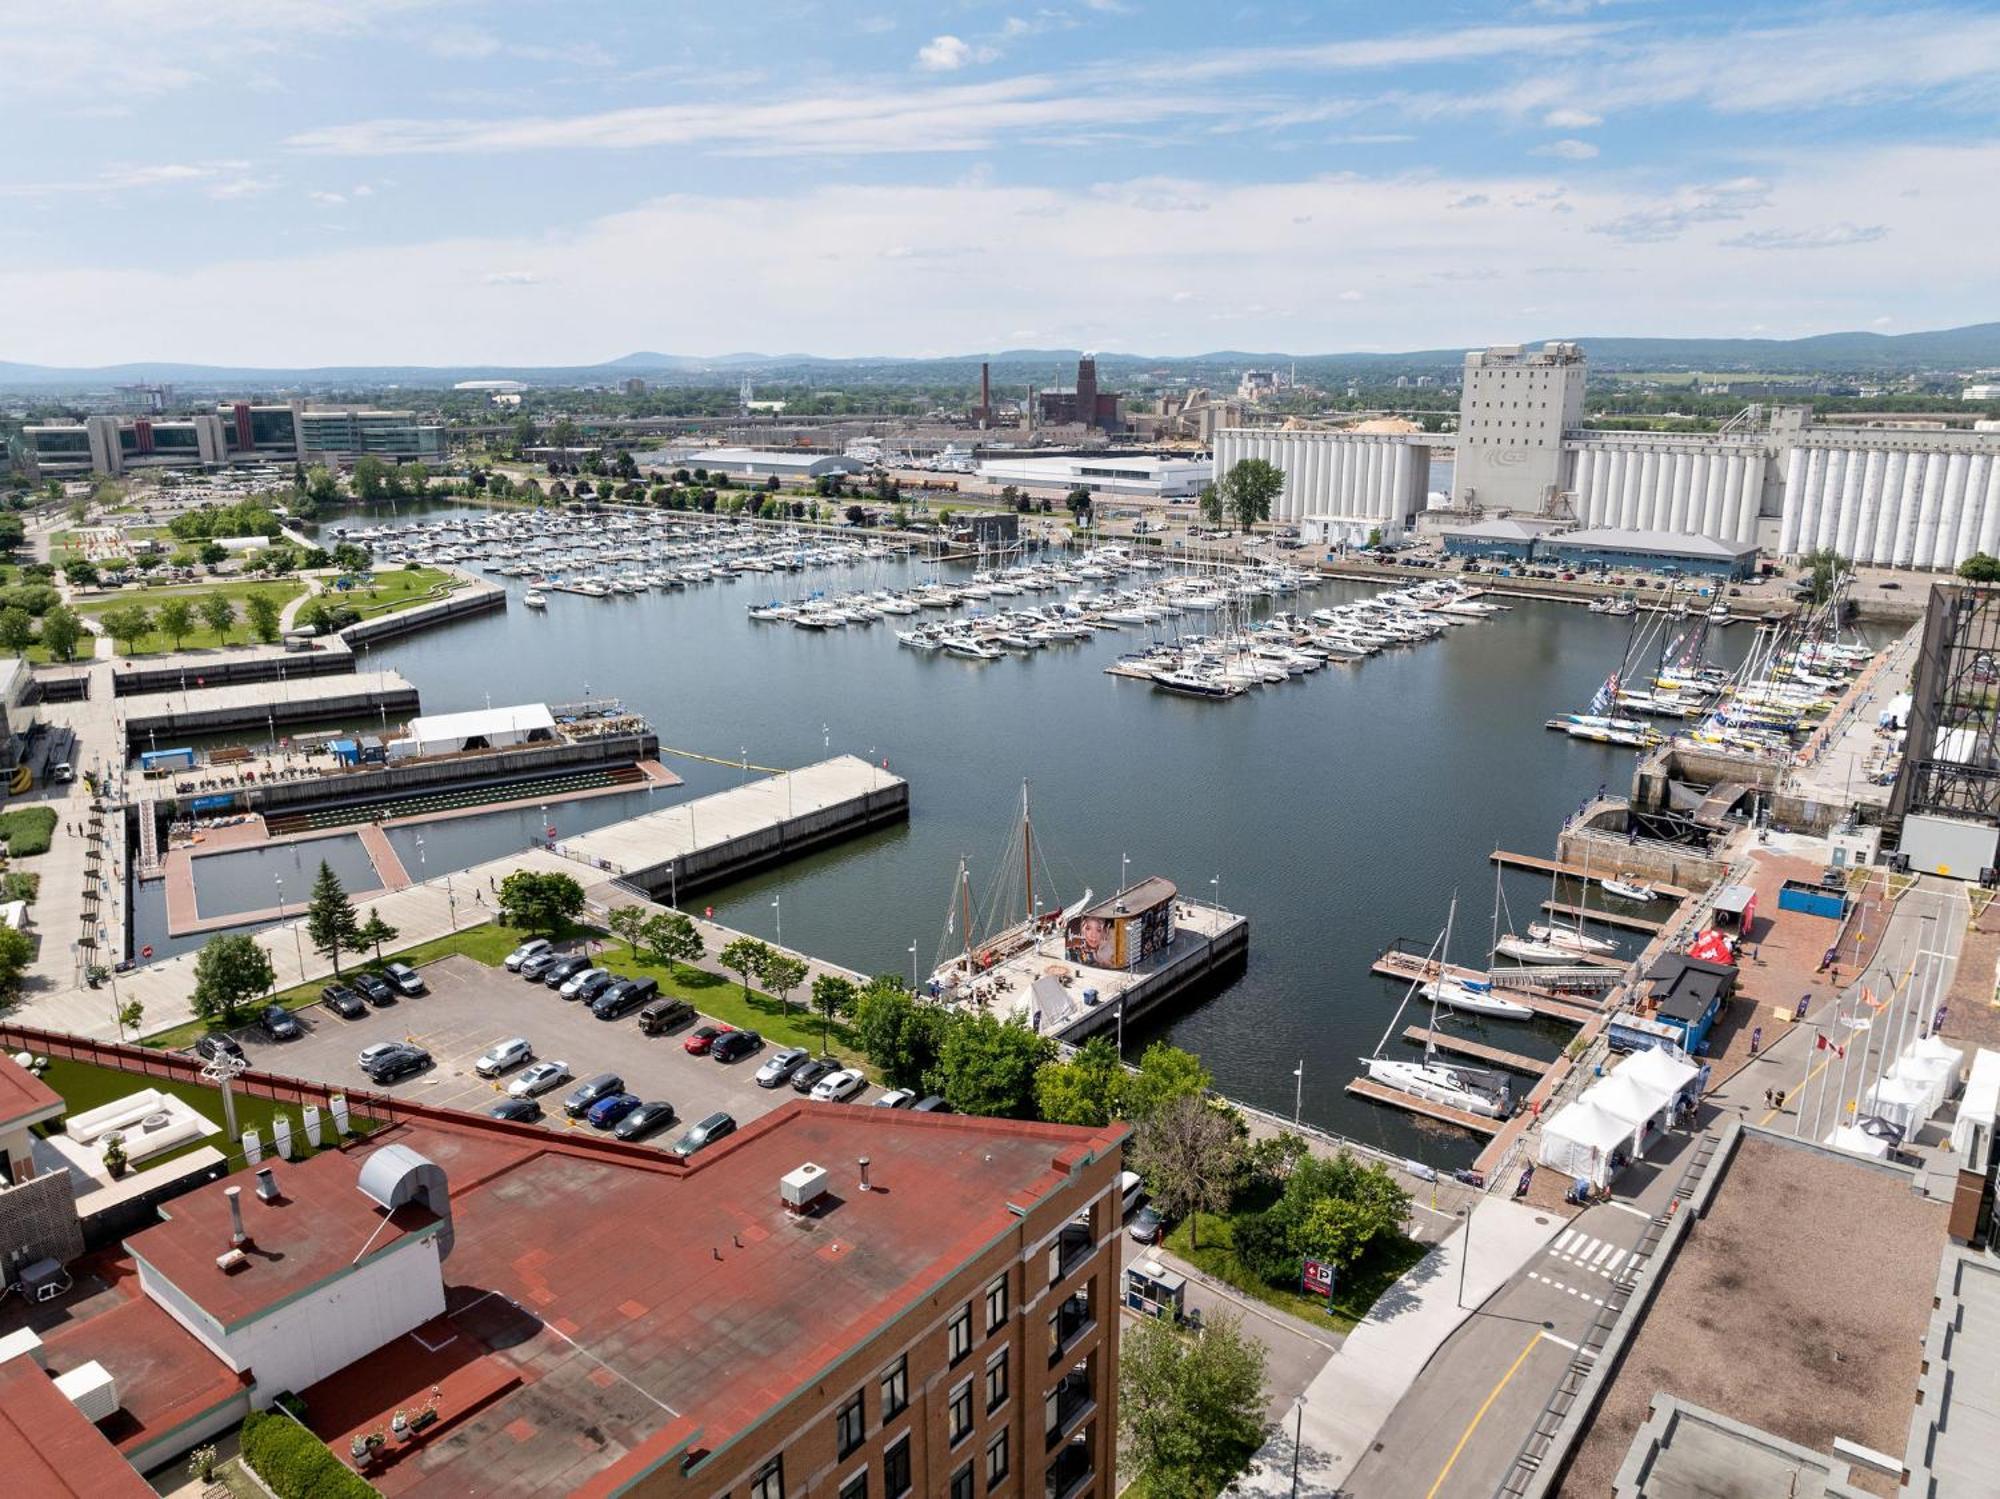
x: 301, y: 182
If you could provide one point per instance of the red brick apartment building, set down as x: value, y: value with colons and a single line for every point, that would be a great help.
x: 837, y: 1302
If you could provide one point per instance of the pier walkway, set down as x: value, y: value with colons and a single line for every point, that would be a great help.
x: 1409, y: 967
x: 1368, y: 1088
x: 1576, y: 871
x: 1513, y: 1061
x: 259, y: 705
x: 1606, y: 918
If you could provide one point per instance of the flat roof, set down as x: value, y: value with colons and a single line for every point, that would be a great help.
x: 1687, y: 987
x: 166, y: 1375
x: 1497, y: 530
x: 49, y: 1447
x: 1666, y: 543
x: 480, y: 723
x: 1154, y: 890
x: 25, y: 1098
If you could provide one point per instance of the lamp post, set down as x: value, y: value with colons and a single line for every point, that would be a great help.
x: 1124, y: 871
x: 1298, y: 1441
x: 913, y: 968
x: 778, y: 906
x: 298, y: 946
x: 1298, y: 1091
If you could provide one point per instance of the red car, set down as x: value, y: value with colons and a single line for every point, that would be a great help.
x: 703, y: 1036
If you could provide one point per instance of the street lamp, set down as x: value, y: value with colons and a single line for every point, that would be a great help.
x: 298, y: 946
x: 1216, y: 883
x: 913, y: 968
x: 1298, y: 1091
x: 776, y: 905
x: 1124, y: 871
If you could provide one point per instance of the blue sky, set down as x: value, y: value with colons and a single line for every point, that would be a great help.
x: 332, y: 181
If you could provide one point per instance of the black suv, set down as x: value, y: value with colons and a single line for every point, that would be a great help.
x: 590, y: 1091
x: 622, y: 998
x: 278, y: 1023
x: 555, y: 975
x: 734, y: 1046
x: 208, y: 1048
x: 343, y: 1001
x: 404, y: 1061
x: 375, y: 989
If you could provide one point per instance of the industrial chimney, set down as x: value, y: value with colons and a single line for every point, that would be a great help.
x: 985, y: 413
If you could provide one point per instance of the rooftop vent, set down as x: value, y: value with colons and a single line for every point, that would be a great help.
x: 91, y: 1389
x: 267, y: 1184
x: 237, y: 1238
x: 230, y: 1260
x: 396, y: 1175
x: 802, y: 1189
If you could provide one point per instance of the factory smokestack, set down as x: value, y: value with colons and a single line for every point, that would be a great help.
x: 985, y: 395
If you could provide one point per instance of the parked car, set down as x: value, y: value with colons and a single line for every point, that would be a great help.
x: 586, y: 1094
x: 526, y: 951
x: 647, y: 1119
x: 563, y: 970
x: 536, y: 964
x: 609, y: 1110
x: 586, y: 977
x: 404, y: 977
x: 619, y: 999
x: 61, y: 773
x: 734, y: 1046
x: 935, y: 1104
x: 369, y: 1055
x: 895, y: 1098
x: 208, y: 1048
x: 404, y: 1061
x: 1130, y: 1190
x: 704, y: 1134
x: 519, y: 1110
x: 664, y: 1014
x: 1146, y: 1225
x: 504, y: 1056
x: 538, y: 1078
x: 811, y: 1072
x: 374, y: 988
x: 343, y: 1001
x: 782, y: 1065
x: 702, y: 1037
x: 278, y: 1023
x: 838, y: 1087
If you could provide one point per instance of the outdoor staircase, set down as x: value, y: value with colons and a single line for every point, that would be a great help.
x: 149, y: 840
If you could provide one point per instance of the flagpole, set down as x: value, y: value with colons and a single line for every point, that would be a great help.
x: 1840, y: 1103
x: 1798, y: 1120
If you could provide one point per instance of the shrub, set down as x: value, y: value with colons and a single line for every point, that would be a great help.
x: 28, y: 830
x: 295, y: 1464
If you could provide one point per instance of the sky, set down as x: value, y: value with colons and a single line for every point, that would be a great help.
x: 310, y: 182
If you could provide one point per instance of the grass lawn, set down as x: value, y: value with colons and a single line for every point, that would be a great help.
x: 1356, y: 1293
x: 27, y: 830
x: 281, y: 590
x: 85, y: 1086
x: 399, y: 588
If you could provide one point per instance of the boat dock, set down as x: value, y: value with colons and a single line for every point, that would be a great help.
x: 1368, y: 1088
x: 1409, y: 967
x: 729, y: 833
x: 1513, y: 1061
x: 1608, y: 918
x: 250, y: 707
x: 1575, y: 871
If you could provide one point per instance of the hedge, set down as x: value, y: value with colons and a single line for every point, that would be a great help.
x: 295, y: 1464
x: 28, y: 830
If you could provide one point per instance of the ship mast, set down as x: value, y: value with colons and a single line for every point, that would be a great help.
x: 1027, y: 857
x: 965, y: 893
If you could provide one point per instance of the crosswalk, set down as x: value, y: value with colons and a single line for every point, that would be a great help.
x: 1582, y: 1293
x: 1587, y: 1255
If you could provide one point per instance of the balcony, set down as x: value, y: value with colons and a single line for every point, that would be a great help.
x: 1072, y: 1320
x: 1070, y: 1474
x: 1072, y: 1247
x: 1069, y: 1405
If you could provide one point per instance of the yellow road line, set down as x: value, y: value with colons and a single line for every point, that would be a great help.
x: 1480, y: 1415
x: 1800, y: 1093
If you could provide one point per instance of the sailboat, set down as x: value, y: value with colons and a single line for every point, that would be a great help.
x: 1551, y: 942
x: 1470, y: 996
x: 1628, y: 887
x: 1476, y: 1090
x: 1004, y: 934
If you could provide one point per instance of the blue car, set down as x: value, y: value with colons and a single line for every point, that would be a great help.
x: 608, y: 1111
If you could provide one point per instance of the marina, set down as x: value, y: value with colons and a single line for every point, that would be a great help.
x: 1440, y: 1040
x: 250, y: 707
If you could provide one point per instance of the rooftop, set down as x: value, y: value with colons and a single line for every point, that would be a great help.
x: 49, y: 1447
x: 1685, y: 987
x: 24, y: 1098
x: 1667, y: 543
x: 1152, y: 891
x: 166, y: 1376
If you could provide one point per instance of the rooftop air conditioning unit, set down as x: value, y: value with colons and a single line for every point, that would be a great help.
x: 802, y: 1189
x: 91, y: 1389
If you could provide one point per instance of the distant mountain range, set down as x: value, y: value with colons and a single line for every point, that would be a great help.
x: 1971, y: 347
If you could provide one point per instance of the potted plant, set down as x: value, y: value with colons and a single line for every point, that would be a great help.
x: 201, y: 1464
x: 399, y: 1425
x: 114, y: 1155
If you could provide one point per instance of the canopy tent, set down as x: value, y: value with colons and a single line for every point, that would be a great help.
x: 478, y: 729
x: 1852, y: 1138
x: 1900, y: 1101
x: 1981, y: 1103
x: 1627, y: 1096
x: 1671, y: 1071
x: 1712, y: 947
x: 1932, y: 1065
x: 1579, y: 1140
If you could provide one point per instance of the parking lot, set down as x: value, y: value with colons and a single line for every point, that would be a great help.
x: 471, y: 1006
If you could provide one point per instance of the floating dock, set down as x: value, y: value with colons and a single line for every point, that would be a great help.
x: 1409, y: 967
x: 1576, y: 871
x: 1607, y: 918
x: 1365, y: 1087
x: 258, y: 707
x: 1513, y: 1061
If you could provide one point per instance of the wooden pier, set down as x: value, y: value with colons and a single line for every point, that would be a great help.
x: 1608, y: 918
x: 1513, y: 1061
x: 1577, y: 872
x: 1368, y: 1088
x: 1408, y: 966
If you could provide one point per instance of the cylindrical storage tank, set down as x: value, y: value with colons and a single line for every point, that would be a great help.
x: 1673, y: 513
x: 1924, y: 518
x: 1903, y: 541
x: 1947, y: 517
x: 1649, y: 489
x: 1858, y: 540
x: 1749, y: 516
x: 1972, y: 511
x: 1812, y: 494
x: 1371, y: 471
x: 1989, y: 520
x: 1303, y: 479
x: 1714, y: 474
x: 1611, y: 485
x: 1401, y: 503
x: 1731, y: 525
x: 1882, y: 544
x: 1792, y: 506
x: 1629, y: 467
x: 1579, y: 484
x: 1850, y: 502
x: 1827, y: 518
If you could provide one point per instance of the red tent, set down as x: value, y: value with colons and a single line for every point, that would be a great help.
x: 1712, y: 947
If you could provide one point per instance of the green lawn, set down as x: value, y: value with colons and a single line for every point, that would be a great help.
x: 400, y: 588
x: 1353, y: 1296
x: 85, y: 1086
x: 281, y: 590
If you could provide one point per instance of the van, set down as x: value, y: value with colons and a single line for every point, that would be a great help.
x: 664, y: 1014
x: 1131, y: 1191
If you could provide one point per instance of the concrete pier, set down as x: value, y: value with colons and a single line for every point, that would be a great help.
x: 251, y: 706
x: 730, y: 833
x: 478, y: 598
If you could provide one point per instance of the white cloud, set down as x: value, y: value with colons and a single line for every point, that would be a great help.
x: 1350, y: 295
x: 1567, y: 150
x: 947, y: 54
x: 330, y: 200
x: 510, y: 278
x: 217, y: 178
x: 1817, y: 237
x: 1880, y: 322
x: 363, y: 190
x: 1571, y: 119
x: 1672, y: 216
x: 463, y: 43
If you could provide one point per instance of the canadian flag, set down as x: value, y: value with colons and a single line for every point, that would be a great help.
x: 1825, y: 1045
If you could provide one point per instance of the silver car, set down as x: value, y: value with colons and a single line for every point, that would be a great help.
x: 538, y: 1078
x: 404, y: 977
x: 526, y: 951
x: 370, y: 1055
x: 577, y: 982
x: 504, y: 1056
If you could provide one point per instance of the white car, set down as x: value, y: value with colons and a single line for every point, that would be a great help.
x: 895, y: 1098
x: 504, y: 1056
x: 404, y: 977
x: 526, y: 951
x: 838, y: 1087
x: 370, y: 1055
x: 538, y: 1079
x: 576, y: 983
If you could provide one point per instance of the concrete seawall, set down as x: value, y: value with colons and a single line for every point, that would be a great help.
x: 480, y: 598
x: 256, y: 706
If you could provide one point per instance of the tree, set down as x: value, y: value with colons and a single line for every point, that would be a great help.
x: 833, y: 996
x: 131, y: 1015
x: 1078, y: 503
x: 628, y: 922
x: 351, y: 558
x: 176, y: 620
x: 330, y: 918
x: 781, y: 973
x: 1190, y: 1407
x: 262, y: 611
x: 1249, y: 488
x: 743, y: 957
x: 988, y: 1067
x: 218, y: 612
x: 80, y: 573
x: 1825, y: 570
x: 229, y: 971
x: 1189, y: 1154
x: 61, y: 630
x: 375, y: 931
x: 17, y: 630
x: 128, y: 623
x: 1210, y: 504
x: 1165, y: 1074
x: 17, y: 951
x: 1262, y: 1244
x: 322, y: 489
x: 540, y: 902
x: 1980, y: 568
x: 417, y: 478
x: 370, y: 478
x: 213, y: 554
x: 899, y: 1035
x: 1086, y: 1090
x: 1337, y: 1209
x: 670, y: 938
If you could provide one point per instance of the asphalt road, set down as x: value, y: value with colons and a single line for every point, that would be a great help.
x: 471, y: 1006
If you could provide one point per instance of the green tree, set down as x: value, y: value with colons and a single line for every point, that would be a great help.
x: 350, y: 558
x: 833, y: 996
x: 330, y: 918
x: 370, y: 478
x: 1262, y: 1244
x: 131, y: 1015
x: 213, y: 553
x: 128, y: 623
x: 985, y: 1066
x: 1249, y: 488
x: 230, y: 970
x: 1980, y: 568
x: 743, y: 957
x: 1190, y: 1408
x: 416, y: 479
x: 1086, y: 1090
x: 628, y: 922
x: 322, y: 488
x: 176, y: 620
x: 1165, y: 1073
x: 781, y: 973
x: 899, y: 1035
x: 1336, y: 1209
x: 80, y: 573
x: 262, y: 611
x: 17, y: 630
x: 1078, y: 500
x: 545, y: 903
x: 1825, y: 570
x: 1190, y: 1154
x: 61, y: 630
x: 218, y: 612
x: 670, y: 938
x: 17, y: 951
x: 375, y: 932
